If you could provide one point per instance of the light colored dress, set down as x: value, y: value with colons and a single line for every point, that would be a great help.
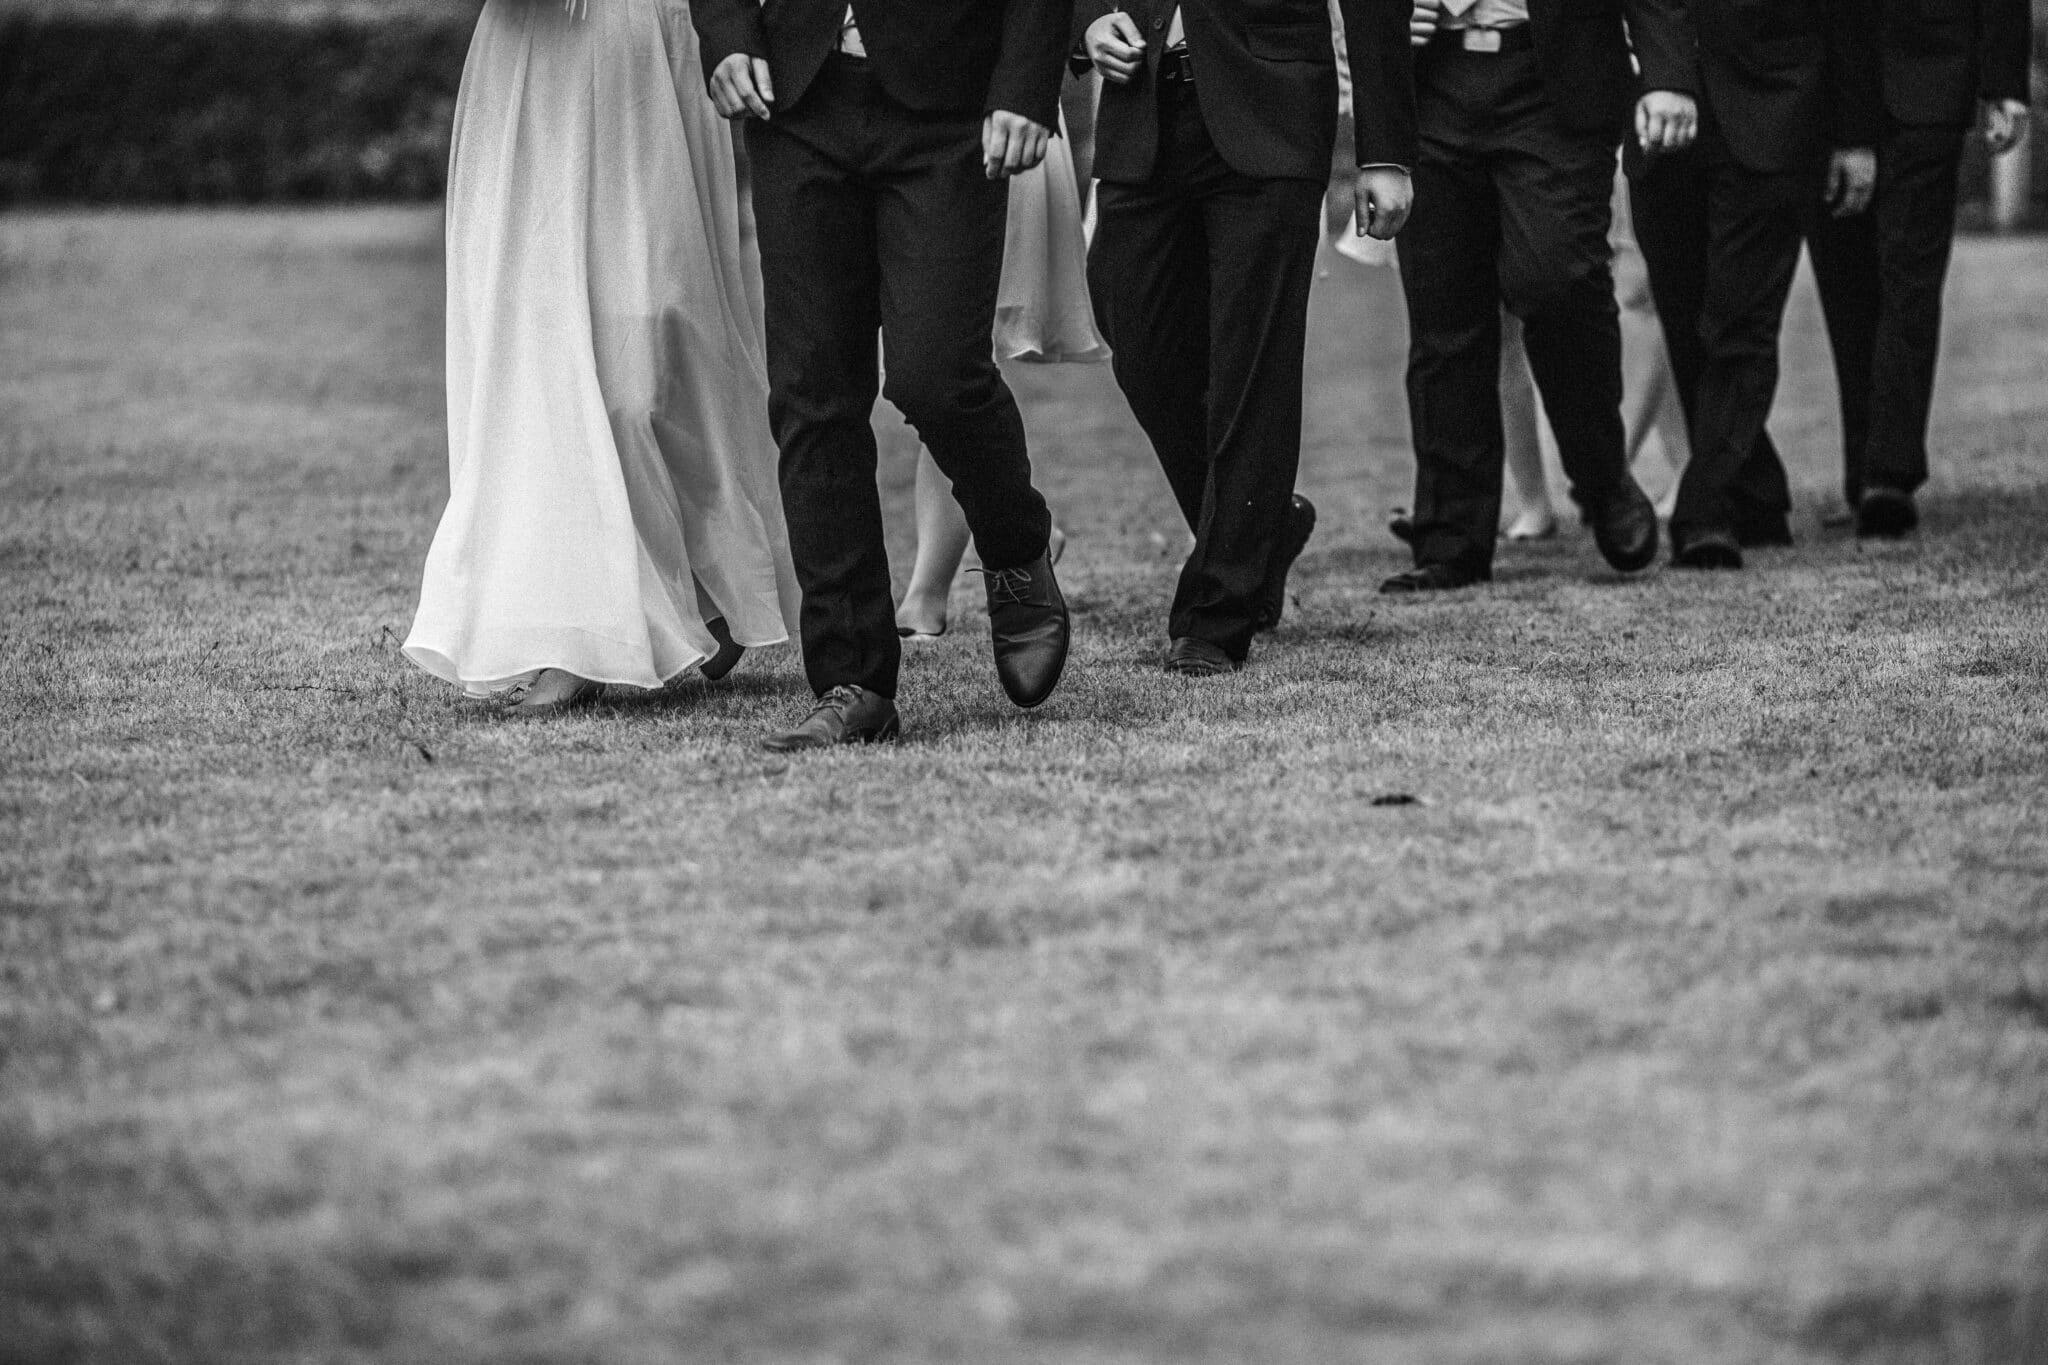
x: 612, y: 475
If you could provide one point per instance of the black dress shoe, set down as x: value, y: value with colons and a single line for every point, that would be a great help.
x: 1192, y: 658
x: 1294, y: 534
x: 1708, y: 549
x: 1028, y: 626
x: 1886, y: 512
x: 1768, y: 529
x: 1401, y: 526
x: 845, y: 715
x: 1434, y: 578
x: 1625, y: 527
x: 729, y: 651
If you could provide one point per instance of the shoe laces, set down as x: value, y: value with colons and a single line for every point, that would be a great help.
x: 838, y: 701
x: 1007, y: 585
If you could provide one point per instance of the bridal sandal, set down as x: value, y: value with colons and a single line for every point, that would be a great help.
x: 550, y: 692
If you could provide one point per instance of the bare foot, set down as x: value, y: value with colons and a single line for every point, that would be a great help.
x: 922, y: 616
x: 1532, y: 525
x: 551, y: 691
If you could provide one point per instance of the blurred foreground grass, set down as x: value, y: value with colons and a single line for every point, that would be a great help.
x: 1695, y: 1009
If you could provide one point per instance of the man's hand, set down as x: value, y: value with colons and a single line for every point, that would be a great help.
x: 1666, y: 121
x: 1011, y: 143
x: 1852, y: 175
x: 1382, y: 197
x: 1422, y: 23
x: 2005, y: 123
x: 1115, y: 45
x: 740, y: 87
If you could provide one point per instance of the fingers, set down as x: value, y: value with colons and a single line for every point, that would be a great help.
x: 1422, y: 23
x: 1011, y: 144
x: 1116, y: 47
x: 1855, y: 196
x: 995, y: 139
x: 1382, y: 199
x: 740, y: 87
x: 1838, y: 184
x: 1666, y: 122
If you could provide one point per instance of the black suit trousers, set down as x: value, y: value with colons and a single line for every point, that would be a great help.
x: 1511, y: 208
x: 1722, y: 244
x: 877, y: 217
x: 1200, y: 278
x: 1880, y: 276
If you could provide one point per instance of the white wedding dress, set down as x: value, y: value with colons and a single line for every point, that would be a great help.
x: 611, y: 471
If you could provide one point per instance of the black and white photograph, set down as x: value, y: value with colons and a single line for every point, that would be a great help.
x: 1023, y: 682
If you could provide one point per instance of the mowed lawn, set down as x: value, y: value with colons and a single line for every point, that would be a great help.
x: 1573, y: 969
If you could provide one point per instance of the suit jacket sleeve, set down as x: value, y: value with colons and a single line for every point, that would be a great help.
x: 2003, y: 64
x: 1661, y: 33
x: 1382, y: 80
x: 1033, y: 55
x: 1854, y: 101
x: 725, y: 27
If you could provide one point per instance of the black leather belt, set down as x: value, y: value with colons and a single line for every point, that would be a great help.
x: 1175, y: 68
x: 1485, y: 40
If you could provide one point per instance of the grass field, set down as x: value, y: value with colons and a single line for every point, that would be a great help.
x: 1695, y: 1007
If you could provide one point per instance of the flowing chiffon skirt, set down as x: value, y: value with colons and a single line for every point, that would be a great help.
x: 612, y: 476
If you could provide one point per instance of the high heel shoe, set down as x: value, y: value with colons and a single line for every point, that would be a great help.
x: 728, y: 654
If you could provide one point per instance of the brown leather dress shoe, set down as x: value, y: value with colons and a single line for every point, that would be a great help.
x: 846, y: 715
x: 1192, y: 658
x: 1028, y: 628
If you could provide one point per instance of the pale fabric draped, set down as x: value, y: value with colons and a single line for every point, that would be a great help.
x: 1042, y: 307
x: 612, y: 476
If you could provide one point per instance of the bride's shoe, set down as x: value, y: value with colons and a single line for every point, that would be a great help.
x: 729, y: 652
x: 1537, y: 524
x: 548, y: 693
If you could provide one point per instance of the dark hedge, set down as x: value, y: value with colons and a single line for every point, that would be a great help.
x: 225, y: 110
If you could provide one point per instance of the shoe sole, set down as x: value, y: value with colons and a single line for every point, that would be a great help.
x: 1715, y: 557
x: 890, y: 730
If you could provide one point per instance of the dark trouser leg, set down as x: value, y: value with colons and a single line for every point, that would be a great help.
x: 1916, y: 215
x: 939, y: 239
x: 1881, y: 276
x: 1148, y: 275
x: 1556, y: 191
x: 1448, y: 259
x: 1844, y: 252
x: 1262, y: 249
x: 819, y: 285
x: 1673, y: 203
x: 1750, y: 252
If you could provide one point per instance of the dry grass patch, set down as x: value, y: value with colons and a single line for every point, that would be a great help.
x: 1695, y: 1007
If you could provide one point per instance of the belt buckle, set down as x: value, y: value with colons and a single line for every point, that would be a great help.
x: 1480, y: 39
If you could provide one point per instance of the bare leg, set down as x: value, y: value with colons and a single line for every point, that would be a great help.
x: 1533, y: 519
x: 1649, y: 396
x: 941, y: 544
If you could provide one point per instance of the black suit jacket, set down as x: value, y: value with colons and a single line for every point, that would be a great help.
x: 936, y: 56
x: 1939, y: 57
x: 1784, y: 80
x: 1583, y: 47
x: 1266, y: 76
